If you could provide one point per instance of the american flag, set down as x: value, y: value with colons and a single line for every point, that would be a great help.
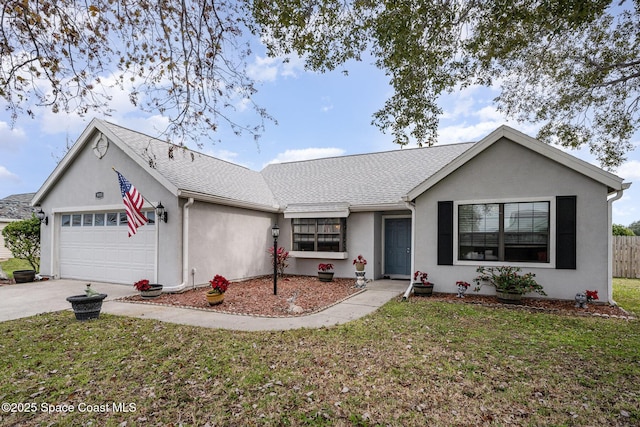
x: 133, y: 202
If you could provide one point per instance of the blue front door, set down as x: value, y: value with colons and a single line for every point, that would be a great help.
x: 397, y: 246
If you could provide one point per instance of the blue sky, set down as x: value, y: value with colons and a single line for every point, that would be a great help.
x: 319, y: 115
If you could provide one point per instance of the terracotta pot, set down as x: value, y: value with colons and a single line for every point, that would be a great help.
x: 359, y: 266
x: 214, y: 298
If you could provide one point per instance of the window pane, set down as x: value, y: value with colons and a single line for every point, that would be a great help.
x: 66, y: 220
x: 112, y: 219
x: 76, y: 220
x: 319, y: 234
x: 151, y: 217
x: 123, y: 218
x: 99, y: 219
x: 526, y: 232
x: 87, y: 220
x: 478, y: 231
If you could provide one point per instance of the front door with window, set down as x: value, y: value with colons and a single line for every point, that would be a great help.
x: 397, y: 248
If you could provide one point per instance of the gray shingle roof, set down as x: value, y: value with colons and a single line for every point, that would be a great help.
x: 365, y: 179
x: 201, y: 173
x: 16, y: 206
x: 355, y: 180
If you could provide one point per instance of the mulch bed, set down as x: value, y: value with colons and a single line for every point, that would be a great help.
x: 537, y: 304
x: 297, y: 296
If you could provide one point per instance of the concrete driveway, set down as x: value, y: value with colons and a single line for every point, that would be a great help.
x: 27, y: 299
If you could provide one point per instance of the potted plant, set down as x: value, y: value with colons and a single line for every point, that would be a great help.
x: 509, y: 283
x: 87, y: 306
x: 421, y: 286
x: 24, y: 276
x: 219, y: 286
x: 462, y: 288
x: 360, y: 262
x: 324, y: 272
x: 148, y: 290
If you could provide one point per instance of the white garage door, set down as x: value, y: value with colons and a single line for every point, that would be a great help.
x: 96, y: 246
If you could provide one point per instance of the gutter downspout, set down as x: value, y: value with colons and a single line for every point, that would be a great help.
x: 412, y: 208
x: 610, y: 201
x: 185, y: 250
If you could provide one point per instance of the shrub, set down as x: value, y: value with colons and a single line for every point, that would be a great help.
x: 507, y: 279
x: 22, y: 238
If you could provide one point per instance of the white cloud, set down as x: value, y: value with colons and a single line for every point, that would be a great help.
x: 263, y: 69
x: 307, y: 154
x: 10, y: 138
x: 268, y: 69
x: 7, y: 174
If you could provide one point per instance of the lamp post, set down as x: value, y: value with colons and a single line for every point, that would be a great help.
x: 275, y: 232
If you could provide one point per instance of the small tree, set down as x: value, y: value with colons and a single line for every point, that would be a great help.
x: 281, y: 260
x: 621, y: 230
x: 22, y: 238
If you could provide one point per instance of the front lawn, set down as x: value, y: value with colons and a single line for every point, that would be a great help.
x: 418, y: 362
x: 626, y: 292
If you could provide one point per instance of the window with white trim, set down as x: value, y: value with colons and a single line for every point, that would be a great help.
x: 510, y: 232
x: 319, y: 234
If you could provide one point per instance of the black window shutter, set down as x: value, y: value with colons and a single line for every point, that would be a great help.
x: 566, y: 232
x: 445, y: 233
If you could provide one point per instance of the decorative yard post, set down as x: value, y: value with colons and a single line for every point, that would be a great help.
x: 275, y: 232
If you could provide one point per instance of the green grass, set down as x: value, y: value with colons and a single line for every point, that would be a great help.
x: 418, y: 362
x: 13, y: 264
x: 626, y: 292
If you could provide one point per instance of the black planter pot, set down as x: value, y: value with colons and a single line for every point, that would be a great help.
x: 24, y: 276
x: 325, y: 276
x: 86, y: 307
x: 421, y: 290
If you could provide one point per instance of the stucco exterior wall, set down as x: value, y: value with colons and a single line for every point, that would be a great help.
x: 76, y: 190
x: 229, y: 241
x: 507, y: 171
x: 361, y: 240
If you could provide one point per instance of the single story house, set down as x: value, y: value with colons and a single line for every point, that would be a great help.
x: 15, y: 207
x: 505, y: 200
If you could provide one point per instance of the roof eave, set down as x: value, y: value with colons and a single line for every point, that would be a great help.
x: 210, y: 198
x: 613, y: 182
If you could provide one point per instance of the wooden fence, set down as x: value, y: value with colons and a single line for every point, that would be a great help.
x: 626, y: 256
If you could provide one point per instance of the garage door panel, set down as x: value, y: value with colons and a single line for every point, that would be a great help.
x: 107, y: 254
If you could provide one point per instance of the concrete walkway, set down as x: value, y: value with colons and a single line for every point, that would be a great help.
x: 28, y: 299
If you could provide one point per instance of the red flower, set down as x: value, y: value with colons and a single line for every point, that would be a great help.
x: 360, y: 260
x: 463, y: 283
x: 219, y: 284
x: 591, y: 295
x: 422, y: 277
x: 325, y: 267
x: 142, y: 285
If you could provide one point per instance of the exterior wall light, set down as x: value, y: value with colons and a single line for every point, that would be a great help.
x: 42, y: 217
x: 162, y: 213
